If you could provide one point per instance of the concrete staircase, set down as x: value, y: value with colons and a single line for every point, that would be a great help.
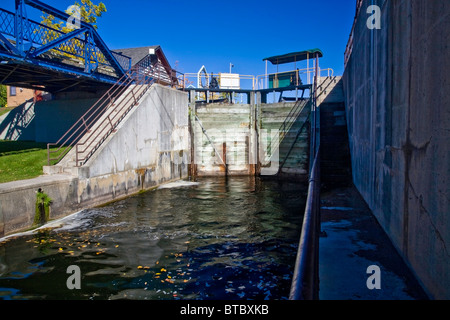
x: 330, y: 90
x: 335, y: 152
x: 99, y: 132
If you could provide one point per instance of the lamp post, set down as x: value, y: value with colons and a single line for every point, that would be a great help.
x: 231, y: 66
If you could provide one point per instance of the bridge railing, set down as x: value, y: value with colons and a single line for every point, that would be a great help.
x: 75, y: 51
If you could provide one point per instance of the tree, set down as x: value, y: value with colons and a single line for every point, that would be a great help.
x: 89, y: 13
x: 3, y: 97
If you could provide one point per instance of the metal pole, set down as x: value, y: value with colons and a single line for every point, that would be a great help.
x: 266, y: 85
x: 307, y: 67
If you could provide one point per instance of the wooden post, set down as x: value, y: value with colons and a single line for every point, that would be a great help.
x: 224, y: 156
x: 259, y: 100
x: 192, y: 167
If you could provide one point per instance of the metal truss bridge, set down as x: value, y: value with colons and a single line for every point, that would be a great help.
x: 33, y: 55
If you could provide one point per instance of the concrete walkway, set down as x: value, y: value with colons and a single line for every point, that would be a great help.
x: 351, y: 241
x: 34, y: 183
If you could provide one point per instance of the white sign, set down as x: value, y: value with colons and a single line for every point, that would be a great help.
x: 230, y: 81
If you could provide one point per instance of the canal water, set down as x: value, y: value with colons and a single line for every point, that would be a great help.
x: 215, y: 239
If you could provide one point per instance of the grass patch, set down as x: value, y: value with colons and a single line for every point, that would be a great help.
x: 5, y: 110
x: 20, y: 160
x: 10, y: 147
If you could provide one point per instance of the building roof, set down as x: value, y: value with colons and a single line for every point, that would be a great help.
x: 294, y: 56
x: 140, y: 53
x: 137, y: 54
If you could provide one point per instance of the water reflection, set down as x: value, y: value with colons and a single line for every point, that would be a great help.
x: 232, y: 238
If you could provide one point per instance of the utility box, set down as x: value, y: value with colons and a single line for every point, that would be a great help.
x: 284, y: 79
x: 230, y: 81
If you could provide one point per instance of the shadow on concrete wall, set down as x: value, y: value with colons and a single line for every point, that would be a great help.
x: 19, y: 124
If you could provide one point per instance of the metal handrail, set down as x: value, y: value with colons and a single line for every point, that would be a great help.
x: 299, y: 131
x: 305, y: 282
x: 129, y: 101
x: 142, y: 73
x: 310, y: 70
x: 306, y: 274
x: 293, y: 114
x: 289, y: 122
x: 257, y: 82
x: 79, y: 128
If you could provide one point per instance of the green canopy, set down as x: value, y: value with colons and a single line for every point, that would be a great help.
x: 295, y: 56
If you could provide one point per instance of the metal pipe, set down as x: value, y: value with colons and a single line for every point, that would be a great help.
x: 305, y: 283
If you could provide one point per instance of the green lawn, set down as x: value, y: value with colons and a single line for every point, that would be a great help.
x: 4, y: 110
x: 20, y: 160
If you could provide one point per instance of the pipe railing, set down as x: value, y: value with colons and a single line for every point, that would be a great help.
x: 79, y: 128
x: 305, y: 282
x: 94, y: 138
x: 117, y: 98
x: 251, y: 82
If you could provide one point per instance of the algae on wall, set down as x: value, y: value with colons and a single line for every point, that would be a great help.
x: 43, y: 202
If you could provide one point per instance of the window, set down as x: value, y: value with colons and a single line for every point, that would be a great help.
x: 12, y: 91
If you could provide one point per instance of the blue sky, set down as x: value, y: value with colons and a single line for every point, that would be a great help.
x: 215, y: 33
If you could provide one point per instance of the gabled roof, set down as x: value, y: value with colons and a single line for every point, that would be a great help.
x: 294, y: 56
x: 137, y: 54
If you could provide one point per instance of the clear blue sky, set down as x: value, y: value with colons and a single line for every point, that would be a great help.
x: 215, y: 33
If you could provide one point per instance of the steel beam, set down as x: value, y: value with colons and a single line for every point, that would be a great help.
x: 58, y: 41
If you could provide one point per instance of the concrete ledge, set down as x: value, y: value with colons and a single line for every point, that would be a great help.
x: 18, y: 200
x: 147, y: 149
x: 70, y: 194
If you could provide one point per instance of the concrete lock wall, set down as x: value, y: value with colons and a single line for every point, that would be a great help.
x: 397, y: 102
x: 231, y: 129
x: 246, y: 138
x: 150, y: 147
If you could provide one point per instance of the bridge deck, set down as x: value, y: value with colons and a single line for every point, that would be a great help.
x: 33, y: 55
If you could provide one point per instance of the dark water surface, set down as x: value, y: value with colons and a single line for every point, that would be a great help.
x: 217, y: 239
